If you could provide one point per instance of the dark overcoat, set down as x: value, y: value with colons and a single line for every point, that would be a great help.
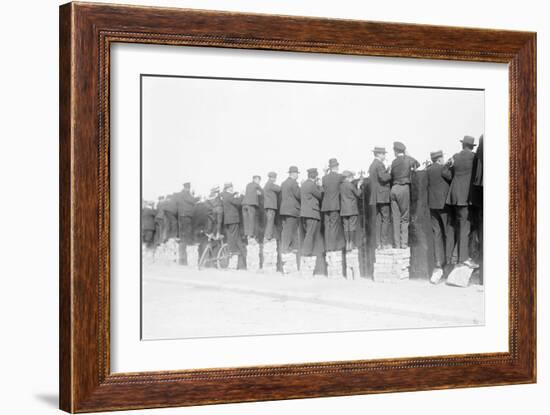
x: 331, y: 189
x: 310, y: 195
x: 290, y: 198
x: 148, y: 219
x: 379, y: 180
x: 185, y: 202
x: 253, y: 190
x: 439, y: 177
x: 459, y: 193
x: 271, y: 195
x: 231, y: 206
x: 348, y: 199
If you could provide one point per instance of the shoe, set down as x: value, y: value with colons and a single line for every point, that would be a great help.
x: 471, y: 264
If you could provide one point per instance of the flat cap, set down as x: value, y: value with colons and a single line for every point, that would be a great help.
x: 399, y: 146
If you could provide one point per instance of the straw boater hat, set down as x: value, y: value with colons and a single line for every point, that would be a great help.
x: 434, y: 155
x: 468, y: 140
x: 227, y: 185
x: 347, y: 173
x: 379, y: 150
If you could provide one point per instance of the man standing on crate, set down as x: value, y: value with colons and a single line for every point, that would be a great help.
x: 461, y: 165
x: 439, y: 177
x: 334, y: 232
x: 349, y: 210
x: 380, y: 179
x: 290, y: 211
x: 311, y: 195
x: 250, y: 207
x: 232, y: 204
x: 186, y: 208
x: 271, y: 205
x: 400, y: 195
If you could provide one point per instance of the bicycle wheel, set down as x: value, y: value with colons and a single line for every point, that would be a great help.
x: 223, y: 256
x: 204, y: 257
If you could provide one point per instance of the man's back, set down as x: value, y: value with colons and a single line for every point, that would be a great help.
x: 331, y: 188
x: 290, y: 198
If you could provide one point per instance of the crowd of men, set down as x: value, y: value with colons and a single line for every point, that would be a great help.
x: 321, y: 215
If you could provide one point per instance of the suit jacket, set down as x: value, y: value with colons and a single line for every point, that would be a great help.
x: 348, y: 199
x: 379, y: 180
x: 401, y: 168
x: 171, y: 205
x: 290, y: 198
x: 271, y: 195
x: 459, y: 193
x: 331, y: 188
x: 310, y: 196
x: 439, y: 177
x: 251, y: 194
x: 186, y: 203
x: 148, y: 219
x: 161, y: 206
x: 231, y: 206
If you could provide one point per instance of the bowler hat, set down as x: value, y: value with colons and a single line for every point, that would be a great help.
x: 272, y: 175
x: 313, y: 170
x: 293, y: 169
x: 227, y: 185
x: 434, y: 155
x: 379, y: 150
x: 333, y: 162
x: 468, y: 140
x: 399, y: 146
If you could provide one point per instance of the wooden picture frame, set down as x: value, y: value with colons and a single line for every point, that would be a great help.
x: 86, y: 33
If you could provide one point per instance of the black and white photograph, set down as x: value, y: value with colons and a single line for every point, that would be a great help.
x: 298, y: 206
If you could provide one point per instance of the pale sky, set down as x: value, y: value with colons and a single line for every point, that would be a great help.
x: 209, y: 131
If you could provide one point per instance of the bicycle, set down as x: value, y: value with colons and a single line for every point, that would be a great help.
x: 214, y: 254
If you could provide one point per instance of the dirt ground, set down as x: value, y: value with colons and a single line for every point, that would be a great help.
x: 184, y: 302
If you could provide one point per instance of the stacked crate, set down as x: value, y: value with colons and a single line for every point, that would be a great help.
x: 335, y: 264
x: 166, y: 252
x: 290, y: 263
x: 307, y: 265
x: 392, y: 264
x: 352, y: 265
x: 253, y: 256
x: 270, y: 256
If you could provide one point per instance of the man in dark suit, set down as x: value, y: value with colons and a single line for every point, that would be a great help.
x: 171, y: 215
x: 439, y: 177
x: 185, y: 202
x: 148, y: 224
x: 349, y: 211
x: 250, y: 207
x: 161, y: 230
x: 311, y: 195
x: 334, y: 232
x: 271, y: 205
x: 459, y: 197
x: 400, y: 194
x: 231, y: 222
x: 290, y: 211
x: 380, y: 178
x: 215, y: 212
